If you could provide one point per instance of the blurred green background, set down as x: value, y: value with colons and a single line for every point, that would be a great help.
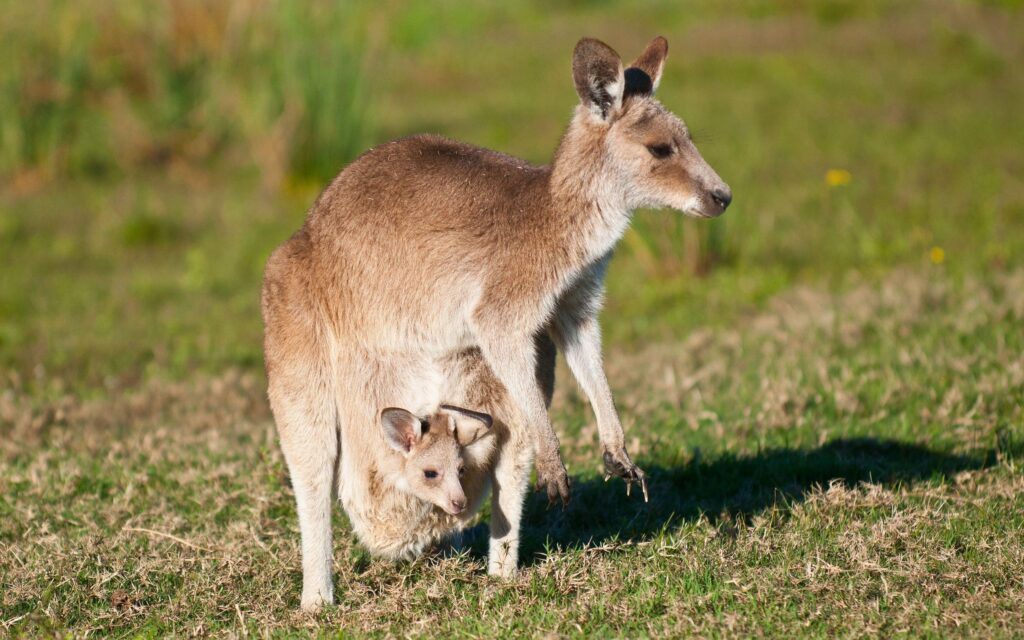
x: 153, y: 153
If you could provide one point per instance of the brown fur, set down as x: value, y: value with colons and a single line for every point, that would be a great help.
x: 426, y: 247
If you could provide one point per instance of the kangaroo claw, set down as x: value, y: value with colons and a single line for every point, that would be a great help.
x: 620, y: 465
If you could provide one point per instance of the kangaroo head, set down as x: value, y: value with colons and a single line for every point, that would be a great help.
x: 644, y: 151
x: 432, y: 451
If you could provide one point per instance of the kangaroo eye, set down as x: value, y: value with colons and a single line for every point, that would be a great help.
x: 660, y: 151
x: 429, y: 474
x: 462, y: 471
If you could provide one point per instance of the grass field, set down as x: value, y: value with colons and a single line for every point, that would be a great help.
x: 826, y: 385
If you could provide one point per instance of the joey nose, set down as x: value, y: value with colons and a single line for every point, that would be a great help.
x: 722, y: 197
x: 458, y: 506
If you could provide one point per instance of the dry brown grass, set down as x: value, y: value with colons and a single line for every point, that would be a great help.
x: 167, y: 510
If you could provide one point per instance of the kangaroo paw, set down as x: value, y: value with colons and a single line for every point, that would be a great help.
x: 619, y: 465
x: 552, y: 476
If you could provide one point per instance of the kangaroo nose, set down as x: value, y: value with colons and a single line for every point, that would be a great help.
x: 458, y: 506
x: 722, y: 197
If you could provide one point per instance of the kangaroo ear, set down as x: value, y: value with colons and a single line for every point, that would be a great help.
x: 402, y: 430
x: 470, y: 425
x: 643, y: 76
x: 597, y: 73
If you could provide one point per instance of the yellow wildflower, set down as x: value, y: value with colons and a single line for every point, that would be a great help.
x: 937, y: 255
x: 838, y: 177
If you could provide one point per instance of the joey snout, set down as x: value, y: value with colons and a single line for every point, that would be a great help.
x: 455, y: 502
x: 456, y: 506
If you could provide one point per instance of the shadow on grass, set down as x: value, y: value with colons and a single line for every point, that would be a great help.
x: 732, y: 487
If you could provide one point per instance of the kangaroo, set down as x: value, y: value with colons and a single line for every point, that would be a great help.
x: 424, y: 247
x: 447, y: 463
x: 443, y: 465
x: 431, y: 488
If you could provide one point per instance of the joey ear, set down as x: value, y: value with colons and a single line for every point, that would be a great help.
x: 643, y: 76
x: 470, y: 425
x: 402, y: 429
x: 597, y: 73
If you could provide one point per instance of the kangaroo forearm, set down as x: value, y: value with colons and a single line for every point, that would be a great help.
x: 581, y: 342
x: 513, y: 359
x: 595, y: 386
x: 526, y: 395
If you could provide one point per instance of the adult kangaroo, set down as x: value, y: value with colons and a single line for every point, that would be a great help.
x: 424, y: 247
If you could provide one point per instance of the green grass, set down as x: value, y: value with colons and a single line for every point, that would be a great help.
x: 826, y: 384
x: 101, y: 88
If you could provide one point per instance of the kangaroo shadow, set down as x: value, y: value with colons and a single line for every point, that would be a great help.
x: 737, y: 487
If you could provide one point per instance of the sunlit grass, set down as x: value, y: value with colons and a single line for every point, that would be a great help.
x: 825, y: 383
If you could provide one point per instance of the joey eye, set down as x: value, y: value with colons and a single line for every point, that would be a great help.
x: 429, y: 474
x: 660, y: 151
x: 462, y: 471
